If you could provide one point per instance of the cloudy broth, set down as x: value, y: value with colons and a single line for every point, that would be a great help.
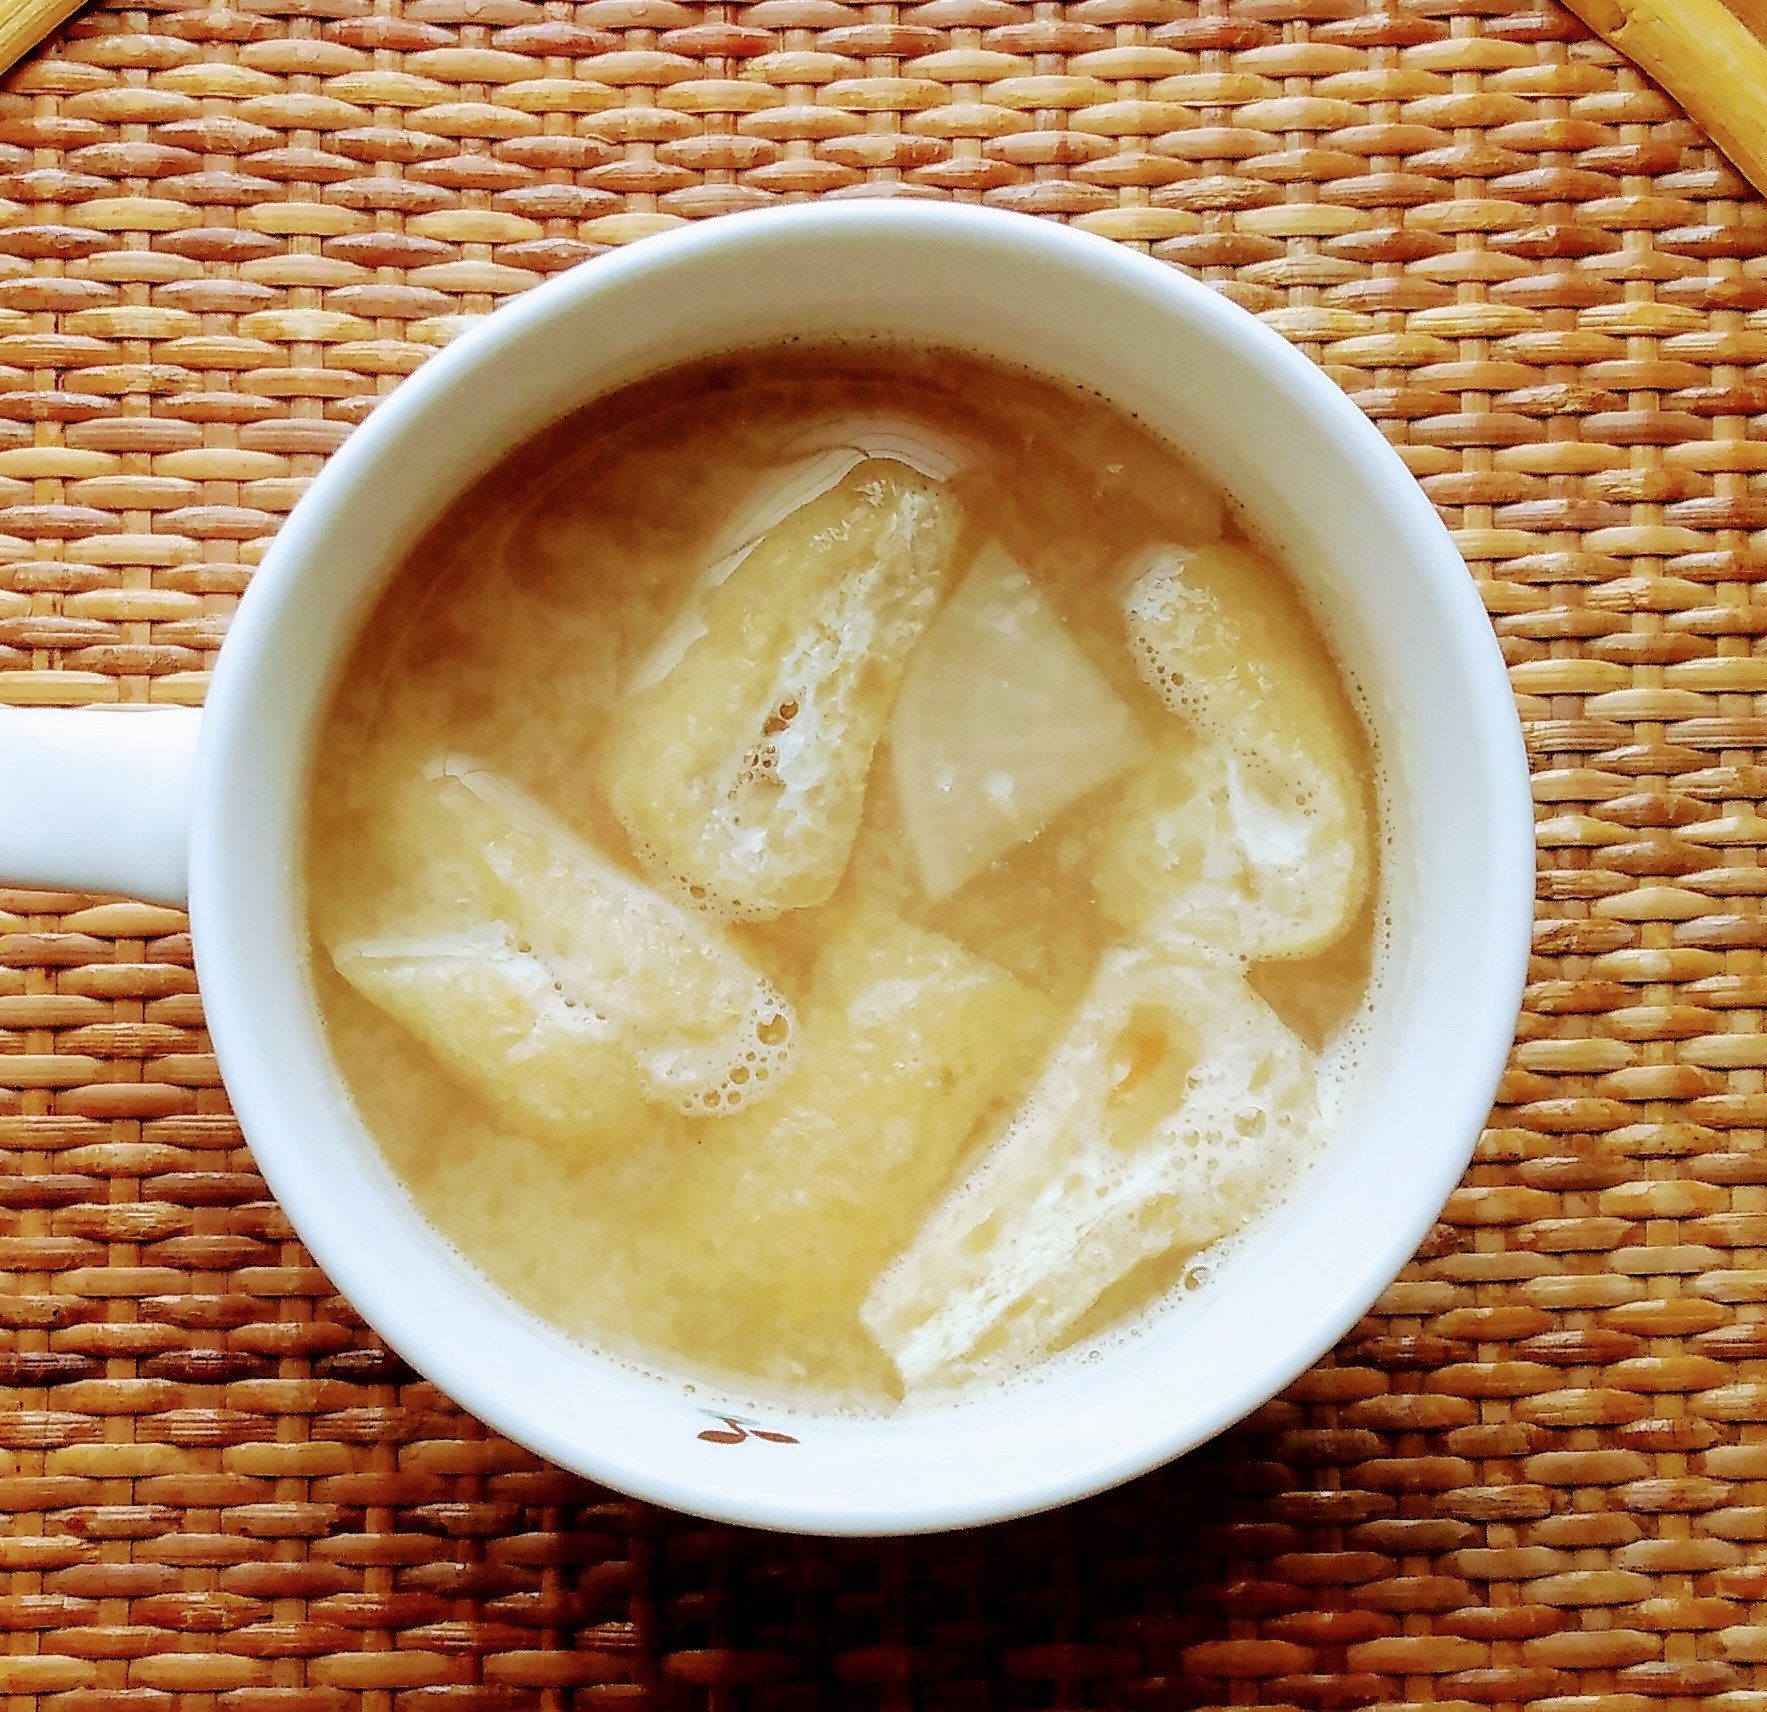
x: 842, y: 871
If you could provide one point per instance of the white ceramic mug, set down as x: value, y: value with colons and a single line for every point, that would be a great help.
x: 112, y: 802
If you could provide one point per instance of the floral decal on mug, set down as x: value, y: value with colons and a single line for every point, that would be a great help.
x: 734, y: 1431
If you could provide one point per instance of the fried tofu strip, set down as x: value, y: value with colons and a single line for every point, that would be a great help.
x: 1162, y: 1120
x: 1250, y: 829
x: 738, y: 760
x: 560, y: 988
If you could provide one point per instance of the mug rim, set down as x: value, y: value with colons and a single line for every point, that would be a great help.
x: 228, y: 736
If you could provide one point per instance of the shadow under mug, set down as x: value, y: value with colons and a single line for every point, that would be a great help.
x: 173, y: 805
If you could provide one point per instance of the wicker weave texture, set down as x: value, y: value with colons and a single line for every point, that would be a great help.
x: 1535, y: 1476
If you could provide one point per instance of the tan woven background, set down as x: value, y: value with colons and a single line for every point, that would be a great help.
x: 1536, y: 1476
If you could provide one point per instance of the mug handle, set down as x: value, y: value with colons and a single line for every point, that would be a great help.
x: 98, y: 799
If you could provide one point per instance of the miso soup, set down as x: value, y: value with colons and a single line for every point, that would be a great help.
x: 843, y: 871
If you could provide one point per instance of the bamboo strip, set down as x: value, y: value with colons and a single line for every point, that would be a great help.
x: 1753, y: 13
x: 1703, y: 54
x: 24, y: 23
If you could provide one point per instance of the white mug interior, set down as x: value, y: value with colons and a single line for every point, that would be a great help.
x: 1312, y: 475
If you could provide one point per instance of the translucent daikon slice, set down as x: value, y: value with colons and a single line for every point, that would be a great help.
x: 680, y: 1016
x: 1001, y: 722
x: 495, y: 1017
x: 1238, y: 659
x: 934, y: 455
x: 740, y: 773
x: 1166, y: 1116
x: 1200, y: 843
x: 907, y: 1044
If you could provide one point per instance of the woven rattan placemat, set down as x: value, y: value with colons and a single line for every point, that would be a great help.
x: 1537, y: 1475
